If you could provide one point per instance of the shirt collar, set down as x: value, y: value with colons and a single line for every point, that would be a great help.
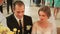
x: 18, y: 19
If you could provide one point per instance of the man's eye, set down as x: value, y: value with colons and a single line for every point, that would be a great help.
x: 22, y: 11
x: 18, y: 12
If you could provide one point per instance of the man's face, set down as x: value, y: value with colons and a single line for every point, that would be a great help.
x: 19, y: 11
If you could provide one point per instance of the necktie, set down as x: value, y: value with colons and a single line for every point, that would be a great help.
x: 20, y: 23
x: 20, y: 26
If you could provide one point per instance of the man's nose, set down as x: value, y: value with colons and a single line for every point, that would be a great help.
x: 19, y: 14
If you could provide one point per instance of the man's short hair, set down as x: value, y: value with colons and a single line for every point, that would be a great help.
x: 20, y: 3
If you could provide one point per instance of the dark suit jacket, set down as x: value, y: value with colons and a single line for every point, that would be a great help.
x: 12, y: 23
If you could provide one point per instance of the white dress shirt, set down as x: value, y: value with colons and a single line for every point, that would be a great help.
x: 19, y: 22
x: 19, y: 19
x: 2, y: 20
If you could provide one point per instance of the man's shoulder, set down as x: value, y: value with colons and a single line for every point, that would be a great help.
x: 10, y: 16
x: 27, y: 16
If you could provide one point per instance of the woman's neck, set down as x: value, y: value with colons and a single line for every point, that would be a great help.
x: 43, y: 24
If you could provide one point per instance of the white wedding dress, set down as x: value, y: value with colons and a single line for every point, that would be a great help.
x: 38, y: 30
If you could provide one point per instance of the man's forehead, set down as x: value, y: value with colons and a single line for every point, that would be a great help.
x: 20, y: 7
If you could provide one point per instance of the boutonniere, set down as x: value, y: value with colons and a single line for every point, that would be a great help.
x: 10, y: 32
x: 15, y: 29
x: 4, y: 30
x: 28, y: 27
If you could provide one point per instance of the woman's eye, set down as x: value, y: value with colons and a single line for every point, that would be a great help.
x: 43, y: 15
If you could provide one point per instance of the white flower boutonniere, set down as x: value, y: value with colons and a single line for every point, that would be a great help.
x: 28, y: 27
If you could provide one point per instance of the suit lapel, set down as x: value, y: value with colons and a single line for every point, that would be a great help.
x: 15, y: 22
x: 24, y: 22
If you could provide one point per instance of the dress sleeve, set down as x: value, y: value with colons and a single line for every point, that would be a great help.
x: 54, y: 29
x: 34, y: 29
x: 3, y: 20
x: 53, y: 22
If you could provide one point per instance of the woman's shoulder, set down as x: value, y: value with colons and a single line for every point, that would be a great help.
x: 50, y: 24
x: 36, y: 23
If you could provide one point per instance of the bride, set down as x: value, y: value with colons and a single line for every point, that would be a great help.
x: 43, y: 26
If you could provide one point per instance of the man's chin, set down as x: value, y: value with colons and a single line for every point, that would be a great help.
x: 19, y: 18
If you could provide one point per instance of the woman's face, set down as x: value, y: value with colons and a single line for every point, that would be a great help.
x: 43, y: 16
